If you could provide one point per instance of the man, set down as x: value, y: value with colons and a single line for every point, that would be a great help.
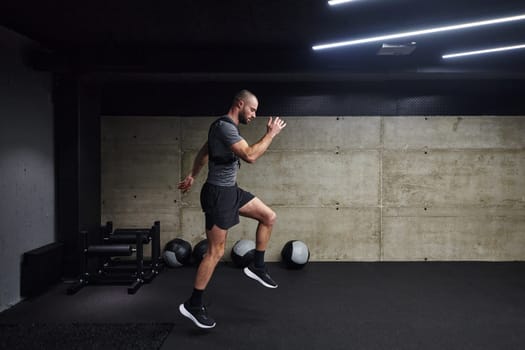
x: 223, y: 201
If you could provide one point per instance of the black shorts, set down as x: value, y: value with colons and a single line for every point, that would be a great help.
x: 221, y: 205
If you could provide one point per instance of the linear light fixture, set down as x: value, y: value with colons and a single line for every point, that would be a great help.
x: 485, y: 51
x: 419, y: 32
x: 338, y: 2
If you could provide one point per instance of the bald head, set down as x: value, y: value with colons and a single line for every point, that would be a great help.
x: 244, y: 95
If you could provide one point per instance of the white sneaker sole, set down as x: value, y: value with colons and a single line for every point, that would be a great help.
x: 187, y: 314
x: 250, y: 274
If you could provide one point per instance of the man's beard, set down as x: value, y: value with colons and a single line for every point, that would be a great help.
x: 242, y: 118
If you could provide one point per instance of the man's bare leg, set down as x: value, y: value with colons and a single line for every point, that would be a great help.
x: 259, y: 211
x: 216, y: 243
x: 193, y: 308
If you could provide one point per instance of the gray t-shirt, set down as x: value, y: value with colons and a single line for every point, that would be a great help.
x: 221, y: 136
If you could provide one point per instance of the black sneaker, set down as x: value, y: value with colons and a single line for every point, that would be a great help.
x: 197, y: 314
x: 260, y: 275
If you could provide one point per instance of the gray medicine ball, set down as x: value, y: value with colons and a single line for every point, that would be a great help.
x: 242, y: 252
x: 295, y: 254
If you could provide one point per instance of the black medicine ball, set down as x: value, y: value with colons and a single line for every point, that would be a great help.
x: 199, y: 251
x: 177, y: 252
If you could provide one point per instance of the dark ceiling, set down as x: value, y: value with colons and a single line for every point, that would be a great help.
x: 265, y: 38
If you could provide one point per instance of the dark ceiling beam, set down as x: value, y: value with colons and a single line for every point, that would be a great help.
x: 255, y: 65
x: 294, y: 77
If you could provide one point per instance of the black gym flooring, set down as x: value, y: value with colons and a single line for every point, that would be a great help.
x: 463, y: 305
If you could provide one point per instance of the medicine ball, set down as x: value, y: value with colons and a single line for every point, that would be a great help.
x: 242, y: 252
x: 199, y: 251
x: 177, y: 252
x: 295, y: 254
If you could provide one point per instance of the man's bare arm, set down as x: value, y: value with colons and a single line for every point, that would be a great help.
x: 251, y: 153
x: 200, y: 161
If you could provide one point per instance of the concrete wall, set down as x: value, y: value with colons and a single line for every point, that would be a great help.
x: 27, y: 184
x: 353, y: 188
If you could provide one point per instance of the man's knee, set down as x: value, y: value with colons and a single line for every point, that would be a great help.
x: 270, y: 218
x: 216, y: 243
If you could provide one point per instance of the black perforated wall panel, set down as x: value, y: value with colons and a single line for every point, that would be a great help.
x: 370, y: 98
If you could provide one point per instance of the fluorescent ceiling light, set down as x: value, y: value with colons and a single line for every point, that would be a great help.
x: 338, y: 2
x: 397, y: 49
x: 481, y: 52
x: 419, y: 32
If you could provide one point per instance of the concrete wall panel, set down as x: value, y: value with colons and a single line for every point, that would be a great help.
x: 194, y: 131
x: 454, y: 235
x: 140, y: 166
x: 314, y: 179
x: 140, y: 172
x: 454, y: 132
x: 454, y: 177
x: 141, y: 130
x: 359, y: 188
x: 330, y: 134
